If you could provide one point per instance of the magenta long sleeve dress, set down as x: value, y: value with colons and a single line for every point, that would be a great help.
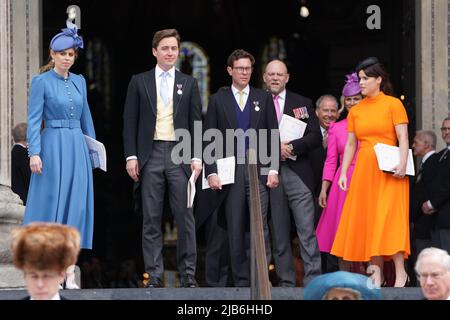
x: 329, y: 220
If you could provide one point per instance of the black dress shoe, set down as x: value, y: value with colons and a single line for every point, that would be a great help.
x: 188, y: 281
x: 154, y: 282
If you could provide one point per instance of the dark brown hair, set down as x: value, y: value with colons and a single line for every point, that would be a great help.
x: 45, y: 246
x: 378, y: 70
x: 166, y: 33
x: 239, y: 54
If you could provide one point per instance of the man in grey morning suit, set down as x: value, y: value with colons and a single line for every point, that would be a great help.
x: 159, y: 102
x: 296, y: 182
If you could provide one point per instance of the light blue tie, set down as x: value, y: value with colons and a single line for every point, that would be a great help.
x: 164, y: 88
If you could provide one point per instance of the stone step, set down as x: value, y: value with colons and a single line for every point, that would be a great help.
x: 413, y: 293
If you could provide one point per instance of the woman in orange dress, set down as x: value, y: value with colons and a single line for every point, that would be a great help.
x: 374, y: 222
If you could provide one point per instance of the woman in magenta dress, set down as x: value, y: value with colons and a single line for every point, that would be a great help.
x: 337, y: 138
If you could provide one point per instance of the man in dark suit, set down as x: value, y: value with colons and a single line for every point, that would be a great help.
x: 327, y: 112
x: 241, y: 108
x: 424, y: 145
x: 296, y: 182
x: 161, y: 105
x: 438, y: 203
x: 20, y: 163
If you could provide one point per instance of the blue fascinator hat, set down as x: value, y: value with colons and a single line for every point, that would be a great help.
x: 320, y: 285
x: 66, y: 39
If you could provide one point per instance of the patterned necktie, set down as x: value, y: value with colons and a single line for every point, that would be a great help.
x: 241, y: 100
x: 277, y: 107
x: 419, y: 173
x: 325, y: 139
x: 164, y: 88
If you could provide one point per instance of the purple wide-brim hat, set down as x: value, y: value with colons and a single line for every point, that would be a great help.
x: 66, y: 39
x: 351, y: 87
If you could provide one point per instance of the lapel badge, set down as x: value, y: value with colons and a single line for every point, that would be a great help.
x: 304, y: 113
x: 180, y: 87
x: 297, y: 114
x: 256, y: 104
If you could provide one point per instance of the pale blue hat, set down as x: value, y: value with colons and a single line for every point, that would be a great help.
x: 66, y: 39
x: 320, y: 285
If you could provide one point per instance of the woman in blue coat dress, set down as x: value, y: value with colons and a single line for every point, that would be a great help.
x: 61, y: 187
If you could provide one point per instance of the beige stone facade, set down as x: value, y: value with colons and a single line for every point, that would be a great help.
x: 19, y: 59
x: 432, y: 65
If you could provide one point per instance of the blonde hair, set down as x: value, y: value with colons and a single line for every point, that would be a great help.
x: 356, y: 294
x: 341, y: 109
x: 45, y: 246
x: 50, y: 65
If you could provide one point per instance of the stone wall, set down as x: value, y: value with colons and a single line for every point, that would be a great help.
x: 432, y: 65
x: 19, y: 58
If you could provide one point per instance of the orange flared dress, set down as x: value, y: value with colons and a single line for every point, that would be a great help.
x: 375, y: 216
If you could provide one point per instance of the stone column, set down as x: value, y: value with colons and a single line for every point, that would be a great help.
x: 19, y: 58
x: 26, y: 53
x: 432, y: 65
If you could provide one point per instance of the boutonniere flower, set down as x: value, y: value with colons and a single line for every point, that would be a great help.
x: 256, y: 104
x: 301, y: 113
